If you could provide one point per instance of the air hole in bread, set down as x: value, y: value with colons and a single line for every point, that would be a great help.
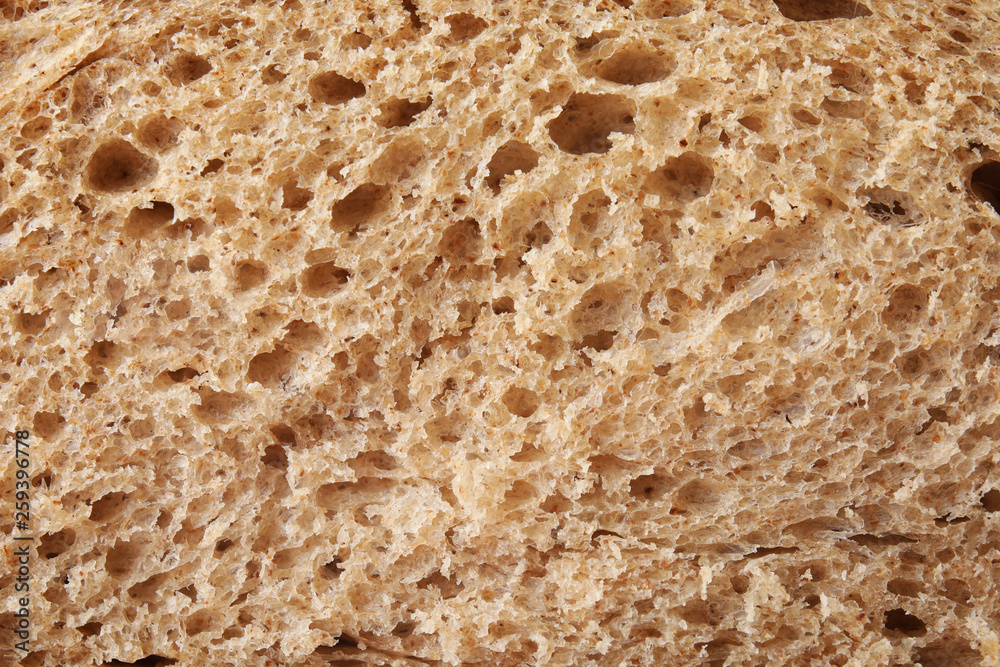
x: 464, y: 26
x: 36, y: 128
x: 353, y: 213
x: 219, y: 407
x: 117, y: 166
x: 249, y: 274
x: 31, y: 324
x: 199, y: 263
x: 401, y: 112
x: 899, y: 620
x: 698, y: 496
x: 332, y: 88
x: 144, y: 221
x: 121, y: 558
x: 512, y: 157
x: 324, y: 279
x: 108, y: 507
x: 906, y: 305
x: 985, y: 184
x: 293, y: 197
x: 185, y: 68
x: 682, y: 179
x: 520, y: 401
x: 821, y: 10
x: 991, y: 500
x: 652, y: 488
x: 271, y: 75
x: 587, y: 122
x: 271, y: 368
x: 53, y: 545
x: 159, y: 133
x: 103, y: 353
x: 461, y: 243
x: 659, y: 9
x: 632, y: 66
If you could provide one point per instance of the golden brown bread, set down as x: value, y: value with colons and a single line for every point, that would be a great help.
x: 426, y: 332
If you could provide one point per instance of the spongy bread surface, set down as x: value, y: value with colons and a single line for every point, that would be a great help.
x: 509, y: 333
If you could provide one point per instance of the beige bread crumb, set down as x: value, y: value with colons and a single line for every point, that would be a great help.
x: 652, y: 332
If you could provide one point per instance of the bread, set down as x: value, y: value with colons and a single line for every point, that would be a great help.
x: 514, y: 333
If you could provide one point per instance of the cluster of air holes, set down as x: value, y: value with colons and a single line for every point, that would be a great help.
x: 401, y: 112
x: 461, y: 243
x: 353, y: 213
x: 185, y: 68
x: 632, y: 66
x: 464, y: 27
x: 587, y: 121
x: 514, y: 156
x: 118, y: 166
x: 821, y: 10
x: 323, y: 280
x: 53, y: 545
x: 142, y: 222
x: 520, y: 401
x: 14, y: 10
x: 985, y: 184
x: 332, y: 88
x: 682, y: 179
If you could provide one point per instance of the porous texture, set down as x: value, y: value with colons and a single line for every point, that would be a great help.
x: 504, y: 333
